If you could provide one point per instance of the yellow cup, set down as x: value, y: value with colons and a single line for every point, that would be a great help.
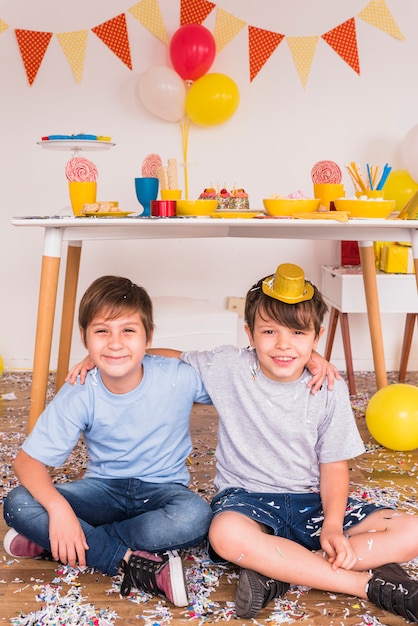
x: 371, y: 193
x: 170, y: 194
x: 328, y: 192
x: 81, y: 193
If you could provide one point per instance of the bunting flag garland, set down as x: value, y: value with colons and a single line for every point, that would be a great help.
x: 194, y: 11
x: 262, y: 44
x: 149, y: 14
x: 227, y: 27
x: 343, y: 40
x: 377, y: 14
x: 114, y: 34
x: 303, y: 50
x: 74, y: 46
x: 33, y: 46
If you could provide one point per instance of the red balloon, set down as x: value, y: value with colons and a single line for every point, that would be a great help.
x: 192, y: 51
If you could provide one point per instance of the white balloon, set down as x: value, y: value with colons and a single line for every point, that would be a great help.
x: 410, y: 152
x: 163, y: 92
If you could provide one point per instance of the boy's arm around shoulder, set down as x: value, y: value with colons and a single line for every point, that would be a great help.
x: 67, y: 540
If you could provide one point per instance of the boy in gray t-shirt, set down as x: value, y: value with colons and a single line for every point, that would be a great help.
x: 283, y: 512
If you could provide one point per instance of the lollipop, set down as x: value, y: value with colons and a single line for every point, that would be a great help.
x: 150, y: 165
x: 326, y: 172
x: 79, y: 169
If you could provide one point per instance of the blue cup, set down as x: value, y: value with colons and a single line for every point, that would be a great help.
x: 146, y: 189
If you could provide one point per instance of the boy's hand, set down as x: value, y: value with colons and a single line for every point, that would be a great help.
x: 80, y: 369
x: 67, y: 539
x: 320, y: 369
x: 337, y: 548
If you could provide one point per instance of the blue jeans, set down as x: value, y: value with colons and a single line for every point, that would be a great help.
x: 115, y: 515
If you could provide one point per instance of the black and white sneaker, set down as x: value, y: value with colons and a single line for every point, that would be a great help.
x: 158, y: 574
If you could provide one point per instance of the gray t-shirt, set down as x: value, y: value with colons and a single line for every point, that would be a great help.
x: 272, y: 436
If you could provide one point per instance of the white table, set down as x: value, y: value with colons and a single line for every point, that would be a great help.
x: 76, y: 230
x: 342, y: 290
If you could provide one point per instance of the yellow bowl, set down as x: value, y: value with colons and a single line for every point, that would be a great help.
x: 196, y: 207
x: 287, y: 206
x: 365, y: 208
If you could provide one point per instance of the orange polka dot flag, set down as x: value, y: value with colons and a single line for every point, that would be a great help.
x: 343, y: 40
x: 33, y: 46
x: 114, y: 34
x: 195, y: 11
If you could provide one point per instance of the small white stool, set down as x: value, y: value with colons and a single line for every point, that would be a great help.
x: 343, y: 290
x: 192, y: 324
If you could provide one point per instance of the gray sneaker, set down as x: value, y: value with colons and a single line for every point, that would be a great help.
x: 392, y: 589
x: 255, y: 591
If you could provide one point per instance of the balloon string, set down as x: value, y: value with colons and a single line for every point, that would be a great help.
x: 185, y: 126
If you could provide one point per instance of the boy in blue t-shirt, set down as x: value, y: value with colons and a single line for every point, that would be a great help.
x: 133, y: 509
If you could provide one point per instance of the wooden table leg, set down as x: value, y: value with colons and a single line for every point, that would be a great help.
x: 332, y: 326
x: 68, y: 308
x: 43, y: 341
x: 373, y: 312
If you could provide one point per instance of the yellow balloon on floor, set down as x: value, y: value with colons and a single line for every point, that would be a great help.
x: 1, y: 365
x: 392, y: 416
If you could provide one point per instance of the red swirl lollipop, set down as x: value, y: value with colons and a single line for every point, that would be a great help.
x: 326, y: 172
x: 79, y: 169
x: 150, y: 165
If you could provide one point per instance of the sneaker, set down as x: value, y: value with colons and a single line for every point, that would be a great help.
x: 18, y: 546
x: 392, y: 589
x: 255, y: 591
x: 158, y: 574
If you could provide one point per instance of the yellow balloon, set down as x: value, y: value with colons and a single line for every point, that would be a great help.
x: 212, y: 100
x: 1, y: 365
x: 392, y: 416
x: 400, y: 186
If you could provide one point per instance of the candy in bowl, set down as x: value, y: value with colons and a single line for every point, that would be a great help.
x: 196, y: 207
x: 286, y: 207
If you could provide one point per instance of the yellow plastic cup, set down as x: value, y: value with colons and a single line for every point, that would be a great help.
x: 81, y: 193
x: 170, y: 194
x: 371, y: 193
x: 328, y: 192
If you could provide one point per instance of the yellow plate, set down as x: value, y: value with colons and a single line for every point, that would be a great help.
x: 108, y: 214
x: 236, y: 214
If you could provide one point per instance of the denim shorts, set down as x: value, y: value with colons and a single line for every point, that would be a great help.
x: 294, y: 516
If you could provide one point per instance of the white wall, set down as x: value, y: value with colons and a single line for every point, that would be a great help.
x: 269, y: 146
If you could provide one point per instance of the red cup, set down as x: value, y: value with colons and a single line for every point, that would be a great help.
x: 163, y: 208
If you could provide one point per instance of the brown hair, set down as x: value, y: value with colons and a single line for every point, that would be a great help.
x: 299, y: 316
x: 112, y: 296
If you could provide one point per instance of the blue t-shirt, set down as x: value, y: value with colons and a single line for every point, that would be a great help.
x: 142, y: 434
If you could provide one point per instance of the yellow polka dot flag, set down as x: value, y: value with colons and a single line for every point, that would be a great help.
x: 74, y: 45
x: 3, y: 26
x: 33, y: 46
x: 343, y: 40
x: 195, y: 11
x: 227, y: 27
x: 377, y: 14
x: 114, y: 34
x: 303, y: 50
x: 148, y: 12
x: 262, y: 44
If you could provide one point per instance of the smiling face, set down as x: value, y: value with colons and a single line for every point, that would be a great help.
x: 282, y: 352
x: 117, y: 346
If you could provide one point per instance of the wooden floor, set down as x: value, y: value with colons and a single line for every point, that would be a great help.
x: 31, y: 589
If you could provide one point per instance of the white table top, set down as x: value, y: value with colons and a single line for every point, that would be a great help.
x: 90, y: 228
